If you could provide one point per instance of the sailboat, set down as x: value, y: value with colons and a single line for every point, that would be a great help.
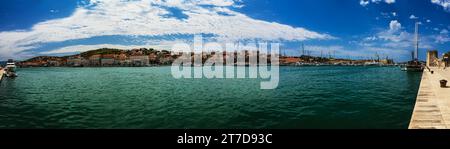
x: 414, y: 65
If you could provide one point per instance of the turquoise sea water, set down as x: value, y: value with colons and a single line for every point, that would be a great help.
x: 307, y: 97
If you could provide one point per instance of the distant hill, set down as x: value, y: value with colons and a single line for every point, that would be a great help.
x: 104, y: 51
x: 101, y: 51
x: 87, y: 54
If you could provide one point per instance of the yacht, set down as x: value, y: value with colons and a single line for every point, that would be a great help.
x: 415, y: 66
x: 10, y: 69
x: 373, y: 63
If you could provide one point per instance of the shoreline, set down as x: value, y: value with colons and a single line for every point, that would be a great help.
x: 203, y: 66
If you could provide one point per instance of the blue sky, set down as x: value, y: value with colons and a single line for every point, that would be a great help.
x: 349, y: 28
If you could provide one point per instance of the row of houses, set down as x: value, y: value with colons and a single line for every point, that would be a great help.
x: 136, y: 58
x: 116, y: 60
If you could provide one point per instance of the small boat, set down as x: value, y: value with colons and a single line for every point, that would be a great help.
x: 414, y: 66
x: 373, y: 63
x: 10, y: 69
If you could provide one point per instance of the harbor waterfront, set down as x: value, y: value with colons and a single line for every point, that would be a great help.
x: 149, y: 97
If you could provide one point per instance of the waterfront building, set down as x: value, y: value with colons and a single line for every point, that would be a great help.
x: 108, y: 60
x: 139, y: 60
x: 122, y: 59
x: 30, y: 64
x: 53, y: 63
x: 153, y: 58
x: 75, y: 61
x: 137, y: 52
x: 432, y: 58
x: 290, y: 60
x: 122, y: 56
x: 166, y: 59
x: 94, y: 60
x: 446, y: 60
x: 386, y: 61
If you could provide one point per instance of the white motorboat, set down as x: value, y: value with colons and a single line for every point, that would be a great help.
x: 10, y: 69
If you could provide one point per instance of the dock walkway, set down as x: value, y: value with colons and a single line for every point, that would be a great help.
x: 432, y: 108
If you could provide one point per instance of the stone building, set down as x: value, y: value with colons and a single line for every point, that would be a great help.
x: 432, y: 58
x: 139, y: 60
x: 108, y: 60
x: 75, y: 61
x: 95, y: 60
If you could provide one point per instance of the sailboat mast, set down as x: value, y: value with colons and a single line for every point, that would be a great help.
x: 303, y: 49
x: 416, y: 51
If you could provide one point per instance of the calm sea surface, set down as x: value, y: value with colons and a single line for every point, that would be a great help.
x: 307, y: 97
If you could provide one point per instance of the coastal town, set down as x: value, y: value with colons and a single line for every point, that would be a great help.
x: 104, y: 57
x: 144, y: 57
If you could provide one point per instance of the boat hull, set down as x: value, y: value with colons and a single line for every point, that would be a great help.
x: 413, y: 68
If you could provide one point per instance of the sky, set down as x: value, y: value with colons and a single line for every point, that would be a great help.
x: 357, y: 29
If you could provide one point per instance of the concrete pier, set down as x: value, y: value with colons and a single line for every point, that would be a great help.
x: 432, y: 108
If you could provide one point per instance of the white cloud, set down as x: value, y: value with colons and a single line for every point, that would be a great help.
x: 395, y: 36
x: 216, y: 2
x: 443, y: 37
x: 371, y: 38
x: 54, y: 11
x: 364, y: 2
x: 428, y: 21
x: 364, y: 52
x: 151, y: 18
x: 84, y: 48
x: 340, y: 51
x: 394, y: 25
x: 155, y: 44
x: 413, y: 17
x: 444, y: 3
x: 376, y: 1
x: 389, y: 1
x: 386, y: 1
x: 367, y: 2
x: 395, y: 42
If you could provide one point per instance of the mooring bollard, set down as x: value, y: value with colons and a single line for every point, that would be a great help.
x: 443, y: 83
